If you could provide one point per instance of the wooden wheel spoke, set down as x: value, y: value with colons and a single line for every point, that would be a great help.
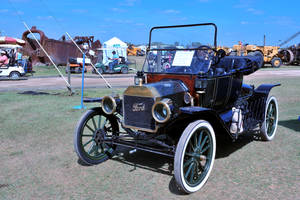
x: 200, y: 138
x: 90, y: 128
x: 195, y: 140
x: 189, y: 170
x: 192, y: 173
x: 187, y: 163
x: 88, y: 142
x: 203, y: 142
x: 104, y: 123
x: 94, y: 123
x: 87, y: 135
x: 191, y: 145
x: 205, y: 149
x: 99, y: 121
x: 189, y: 154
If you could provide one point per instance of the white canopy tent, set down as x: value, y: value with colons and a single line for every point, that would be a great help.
x: 114, y: 44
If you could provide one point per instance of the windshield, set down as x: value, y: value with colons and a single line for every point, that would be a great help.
x: 186, y: 49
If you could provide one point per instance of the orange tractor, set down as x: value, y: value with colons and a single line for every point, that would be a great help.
x: 134, y: 51
x: 269, y: 53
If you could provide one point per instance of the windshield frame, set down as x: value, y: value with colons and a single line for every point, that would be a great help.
x: 181, y: 26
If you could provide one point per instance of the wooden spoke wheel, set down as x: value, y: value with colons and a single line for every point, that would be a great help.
x: 90, y: 133
x: 194, y: 156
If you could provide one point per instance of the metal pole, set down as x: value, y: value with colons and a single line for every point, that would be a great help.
x: 81, y: 106
x: 69, y: 74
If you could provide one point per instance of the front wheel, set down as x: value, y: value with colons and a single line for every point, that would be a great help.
x: 90, y: 134
x: 194, y: 156
x: 269, y: 126
x: 14, y: 75
x: 276, y: 62
x: 124, y: 70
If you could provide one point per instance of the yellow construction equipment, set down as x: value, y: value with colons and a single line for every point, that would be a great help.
x: 134, y: 51
x: 269, y: 53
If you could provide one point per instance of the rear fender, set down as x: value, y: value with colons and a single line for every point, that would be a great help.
x: 257, y: 102
x: 266, y: 88
x: 220, y: 122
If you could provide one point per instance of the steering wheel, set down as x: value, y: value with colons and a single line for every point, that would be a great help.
x: 216, y: 58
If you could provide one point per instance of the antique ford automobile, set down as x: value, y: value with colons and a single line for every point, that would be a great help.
x: 179, y: 111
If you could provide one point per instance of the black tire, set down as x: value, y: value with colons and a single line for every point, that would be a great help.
x: 100, y: 70
x: 191, y: 153
x: 14, y: 75
x: 124, y: 70
x: 77, y: 70
x: 93, y: 133
x: 290, y: 57
x: 269, y: 126
x: 276, y: 62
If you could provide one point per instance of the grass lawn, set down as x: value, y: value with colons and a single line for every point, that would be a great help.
x: 38, y: 160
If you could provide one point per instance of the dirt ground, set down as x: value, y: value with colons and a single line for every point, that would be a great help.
x: 116, y: 80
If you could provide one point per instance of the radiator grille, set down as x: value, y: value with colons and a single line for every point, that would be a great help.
x: 137, y: 112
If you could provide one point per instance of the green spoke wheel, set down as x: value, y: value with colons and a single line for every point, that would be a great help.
x: 194, y: 156
x: 269, y: 125
x: 93, y: 127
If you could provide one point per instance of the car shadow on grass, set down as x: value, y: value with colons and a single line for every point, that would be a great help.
x: 291, y: 124
x: 164, y: 165
x: 144, y: 160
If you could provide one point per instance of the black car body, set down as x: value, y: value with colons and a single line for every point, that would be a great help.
x: 178, y: 111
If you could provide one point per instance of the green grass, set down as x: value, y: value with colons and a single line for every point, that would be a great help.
x: 47, y: 71
x: 38, y: 160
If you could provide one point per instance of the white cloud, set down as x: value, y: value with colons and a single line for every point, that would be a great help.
x: 255, y: 11
x: 45, y: 17
x: 4, y: 10
x: 117, y: 10
x: 171, y: 11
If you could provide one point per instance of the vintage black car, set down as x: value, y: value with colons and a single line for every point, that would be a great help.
x: 179, y: 111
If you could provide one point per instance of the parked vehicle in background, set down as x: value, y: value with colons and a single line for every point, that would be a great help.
x: 16, y: 67
x: 121, y: 67
x: 134, y: 51
x: 291, y: 54
x: 181, y: 110
x: 270, y: 54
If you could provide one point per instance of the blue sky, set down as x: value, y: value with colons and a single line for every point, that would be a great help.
x: 131, y: 20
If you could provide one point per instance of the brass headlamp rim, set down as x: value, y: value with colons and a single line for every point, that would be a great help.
x: 166, y: 105
x: 113, y: 102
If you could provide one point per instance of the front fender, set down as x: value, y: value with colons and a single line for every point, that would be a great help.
x: 220, y: 121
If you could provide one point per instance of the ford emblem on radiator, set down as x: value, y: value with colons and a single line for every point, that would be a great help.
x: 138, y: 107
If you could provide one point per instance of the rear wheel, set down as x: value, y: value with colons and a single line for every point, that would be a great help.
x: 14, y: 75
x: 276, y: 62
x: 124, y: 70
x: 269, y: 126
x: 194, y: 156
x: 91, y: 131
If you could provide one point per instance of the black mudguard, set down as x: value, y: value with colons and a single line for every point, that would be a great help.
x: 220, y: 121
x: 266, y: 88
